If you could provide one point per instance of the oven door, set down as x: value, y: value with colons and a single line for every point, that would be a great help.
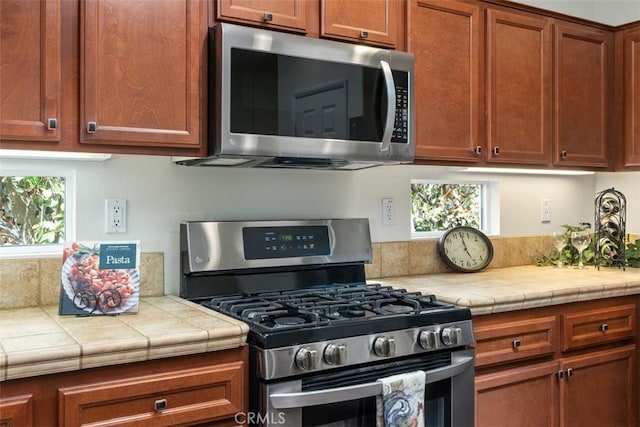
x: 449, y: 399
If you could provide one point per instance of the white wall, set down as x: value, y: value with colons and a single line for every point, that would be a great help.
x: 611, y: 12
x: 161, y: 194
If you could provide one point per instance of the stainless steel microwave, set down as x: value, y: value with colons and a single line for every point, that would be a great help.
x: 284, y: 100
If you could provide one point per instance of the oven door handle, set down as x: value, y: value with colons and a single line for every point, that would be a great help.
x: 360, y: 391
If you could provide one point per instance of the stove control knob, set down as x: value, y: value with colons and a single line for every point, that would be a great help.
x: 428, y: 339
x: 451, y: 336
x: 335, y: 354
x: 307, y: 359
x: 384, y: 347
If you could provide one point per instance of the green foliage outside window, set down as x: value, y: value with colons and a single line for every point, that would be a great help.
x: 439, y: 207
x: 32, y: 210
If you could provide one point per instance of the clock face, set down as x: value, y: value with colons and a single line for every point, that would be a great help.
x: 465, y: 249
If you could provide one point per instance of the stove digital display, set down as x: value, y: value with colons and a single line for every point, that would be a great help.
x: 285, y: 242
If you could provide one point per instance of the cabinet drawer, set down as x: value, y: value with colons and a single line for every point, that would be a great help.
x: 598, y: 326
x: 176, y: 397
x: 515, y: 340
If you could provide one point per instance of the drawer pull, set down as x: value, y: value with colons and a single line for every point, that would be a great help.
x: 91, y: 127
x: 364, y: 34
x: 160, y: 405
x: 52, y: 123
x: 516, y: 343
x: 604, y: 327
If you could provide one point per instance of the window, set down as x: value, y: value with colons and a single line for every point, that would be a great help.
x: 437, y: 206
x: 36, y: 212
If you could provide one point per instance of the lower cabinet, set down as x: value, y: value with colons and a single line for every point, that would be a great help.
x: 565, y: 365
x: 207, y: 388
x: 177, y: 397
x: 16, y: 411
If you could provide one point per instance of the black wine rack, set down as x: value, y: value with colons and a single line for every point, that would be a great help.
x: 610, y: 226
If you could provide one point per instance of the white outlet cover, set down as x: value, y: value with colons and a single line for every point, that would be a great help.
x: 115, y: 216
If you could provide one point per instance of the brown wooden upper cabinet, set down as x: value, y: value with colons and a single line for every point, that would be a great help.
x: 377, y: 22
x: 142, y: 73
x: 582, y: 101
x: 629, y: 41
x: 288, y: 15
x: 30, y: 72
x: 139, y: 66
x: 519, y: 88
x: 447, y: 42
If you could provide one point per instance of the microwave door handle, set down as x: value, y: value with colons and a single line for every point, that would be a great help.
x: 360, y: 391
x: 391, y: 106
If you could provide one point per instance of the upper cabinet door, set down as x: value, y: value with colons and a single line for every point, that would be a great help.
x: 631, y: 85
x: 142, y: 73
x: 284, y: 14
x: 581, y: 99
x: 30, y: 71
x: 519, y: 88
x: 446, y: 39
x: 377, y: 22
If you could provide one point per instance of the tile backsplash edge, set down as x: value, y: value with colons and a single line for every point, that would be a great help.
x: 417, y: 257
x: 32, y: 282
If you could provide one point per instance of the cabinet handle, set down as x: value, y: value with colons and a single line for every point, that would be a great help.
x: 52, y: 123
x: 516, y: 343
x: 364, y: 34
x: 91, y: 127
x: 563, y: 154
x: 569, y: 372
x: 560, y: 375
x: 159, y: 405
x: 604, y: 327
x: 268, y: 17
x: 496, y: 150
x: 478, y: 149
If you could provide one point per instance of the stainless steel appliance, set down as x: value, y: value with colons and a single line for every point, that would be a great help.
x: 283, y: 100
x: 320, y: 335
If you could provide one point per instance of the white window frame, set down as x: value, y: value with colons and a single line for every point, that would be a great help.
x: 46, y: 250
x: 490, y: 206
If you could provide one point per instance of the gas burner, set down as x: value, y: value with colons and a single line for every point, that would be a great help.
x: 286, y: 319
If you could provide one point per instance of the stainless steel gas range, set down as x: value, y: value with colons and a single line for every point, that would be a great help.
x: 321, y: 337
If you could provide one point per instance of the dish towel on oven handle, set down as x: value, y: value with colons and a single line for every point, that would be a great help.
x: 401, y: 403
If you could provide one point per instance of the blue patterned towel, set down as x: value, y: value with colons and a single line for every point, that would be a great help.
x: 402, y: 401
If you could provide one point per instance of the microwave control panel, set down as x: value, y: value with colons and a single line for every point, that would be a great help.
x: 401, y: 124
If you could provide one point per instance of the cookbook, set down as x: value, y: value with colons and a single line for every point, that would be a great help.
x: 100, y: 278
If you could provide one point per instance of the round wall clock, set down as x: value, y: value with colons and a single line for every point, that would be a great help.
x: 465, y: 249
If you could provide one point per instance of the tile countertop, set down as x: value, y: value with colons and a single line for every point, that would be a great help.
x: 515, y: 288
x: 37, y: 341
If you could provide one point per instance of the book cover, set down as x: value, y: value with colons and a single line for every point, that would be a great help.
x: 100, y: 278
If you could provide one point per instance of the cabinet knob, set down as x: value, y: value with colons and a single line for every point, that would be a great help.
x: 160, y: 405
x: 91, y: 127
x: 268, y: 17
x: 478, y: 149
x: 563, y: 154
x: 496, y: 150
x: 52, y: 123
x: 604, y: 327
x: 516, y: 343
x: 364, y: 34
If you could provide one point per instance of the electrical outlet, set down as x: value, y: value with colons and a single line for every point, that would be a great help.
x: 116, y: 216
x: 387, y: 212
x: 546, y: 210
